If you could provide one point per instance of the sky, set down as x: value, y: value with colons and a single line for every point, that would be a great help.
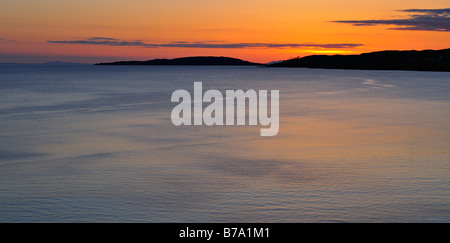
x: 91, y: 31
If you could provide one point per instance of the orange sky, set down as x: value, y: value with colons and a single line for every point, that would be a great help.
x: 49, y: 30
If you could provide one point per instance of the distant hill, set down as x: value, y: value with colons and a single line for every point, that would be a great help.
x: 202, y: 60
x: 426, y: 60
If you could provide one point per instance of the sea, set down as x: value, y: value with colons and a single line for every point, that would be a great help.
x: 87, y: 143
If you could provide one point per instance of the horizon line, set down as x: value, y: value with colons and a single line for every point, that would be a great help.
x: 58, y: 61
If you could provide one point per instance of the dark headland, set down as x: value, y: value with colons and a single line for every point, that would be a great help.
x: 201, y: 60
x: 426, y: 60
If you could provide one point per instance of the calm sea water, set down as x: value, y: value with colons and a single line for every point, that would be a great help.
x: 96, y: 144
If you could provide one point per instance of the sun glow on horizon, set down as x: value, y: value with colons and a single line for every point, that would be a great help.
x: 326, y: 52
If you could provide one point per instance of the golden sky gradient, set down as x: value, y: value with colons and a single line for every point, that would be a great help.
x: 253, y: 30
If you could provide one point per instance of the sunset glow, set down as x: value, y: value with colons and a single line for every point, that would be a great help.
x: 258, y: 31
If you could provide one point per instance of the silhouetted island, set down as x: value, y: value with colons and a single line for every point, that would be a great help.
x: 201, y: 60
x: 426, y: 60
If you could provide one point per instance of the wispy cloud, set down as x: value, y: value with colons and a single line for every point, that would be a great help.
x: 101, y: 41
x: 7, y: 40
x: 422, y: 19
x: 206, y: 44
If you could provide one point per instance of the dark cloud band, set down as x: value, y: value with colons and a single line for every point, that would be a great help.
x: 424, y: 19
x: 209, y: 44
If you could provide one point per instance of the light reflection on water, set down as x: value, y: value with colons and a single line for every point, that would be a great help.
x: 96, y: 144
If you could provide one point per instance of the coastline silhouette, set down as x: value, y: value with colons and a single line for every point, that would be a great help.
x: 199, y: 60
x: 426, y: 60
